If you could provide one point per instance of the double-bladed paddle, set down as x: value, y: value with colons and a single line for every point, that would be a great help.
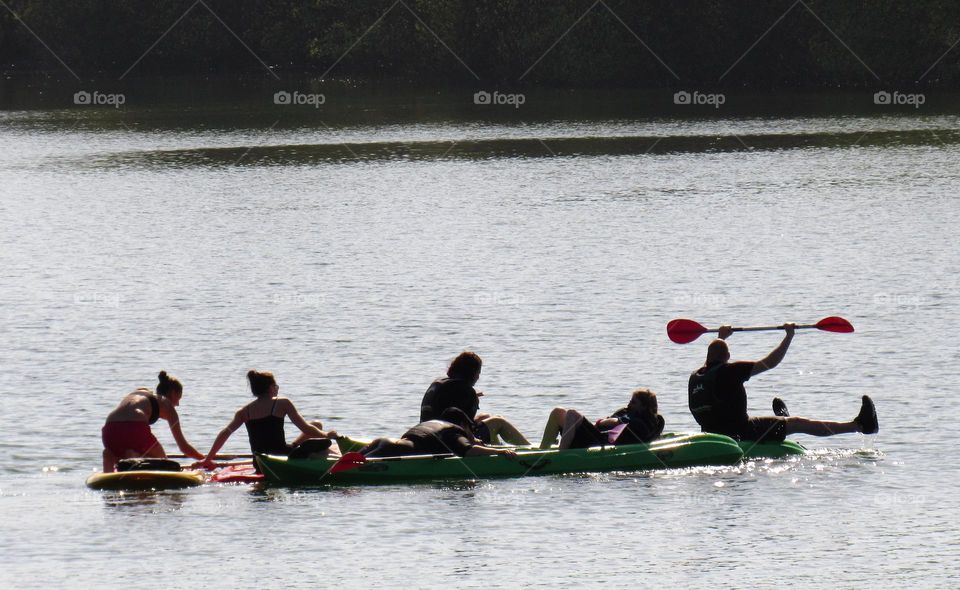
x: 684, y: 331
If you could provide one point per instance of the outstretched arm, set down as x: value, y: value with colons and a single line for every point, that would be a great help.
x: 177, y: 432
x: 483, y: 450
x: 298, y: 421
x: 606, y: 423
x: 776, y: 355
x: 221, y: 440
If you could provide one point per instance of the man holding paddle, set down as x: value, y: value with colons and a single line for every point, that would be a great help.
x: 718, y: 400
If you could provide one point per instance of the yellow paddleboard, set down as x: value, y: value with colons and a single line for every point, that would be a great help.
x: 145, y: 480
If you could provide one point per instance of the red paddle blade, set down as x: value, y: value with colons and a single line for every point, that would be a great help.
x: 835, y: 324
x: 347, y: 462
x: 684, y: 331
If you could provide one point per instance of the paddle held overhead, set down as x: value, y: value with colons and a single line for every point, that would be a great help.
x: 684, y: 331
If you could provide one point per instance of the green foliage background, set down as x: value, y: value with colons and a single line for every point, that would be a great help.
x: 500, y: 40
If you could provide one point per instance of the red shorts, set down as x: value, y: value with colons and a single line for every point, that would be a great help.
x: 122, y: 437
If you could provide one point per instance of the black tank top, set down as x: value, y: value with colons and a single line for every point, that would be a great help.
x: 154, y: 408
x: 266, y: 434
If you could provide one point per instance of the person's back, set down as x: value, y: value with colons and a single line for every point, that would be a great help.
x: 439, y: 436
x: 449, y: 392
x: 717, y: 397
x: 140, y: 405
x: 451, y: 433
x: 455, y: 390
x: 265, y: 432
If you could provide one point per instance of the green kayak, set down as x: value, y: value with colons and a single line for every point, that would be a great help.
x: 774, y: 450
x: 751, y: 449
x: 683, y: 450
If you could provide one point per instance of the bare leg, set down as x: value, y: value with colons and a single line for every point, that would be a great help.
x: 154, y: 452
x: 334, y: 450
x: 570, y: 423
x: 373, y: 446
x: 499, y: 426
x: 552, y: 429
x: 798, y: 425
x: 304, y: 436
x: 109, y: 462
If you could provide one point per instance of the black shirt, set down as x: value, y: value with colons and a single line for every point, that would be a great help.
x: 449, y: 393
x: 729, y: 398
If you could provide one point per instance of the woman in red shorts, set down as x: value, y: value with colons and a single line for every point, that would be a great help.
x: 127, y: 435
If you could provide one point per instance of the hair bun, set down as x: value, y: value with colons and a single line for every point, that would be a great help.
x: 168, y: 383
x: 251, y: 374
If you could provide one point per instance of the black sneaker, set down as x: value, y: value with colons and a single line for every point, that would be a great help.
x: 867, y: 418
x: 780, y: 408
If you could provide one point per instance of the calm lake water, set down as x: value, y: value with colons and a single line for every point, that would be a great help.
x: 355, y: 248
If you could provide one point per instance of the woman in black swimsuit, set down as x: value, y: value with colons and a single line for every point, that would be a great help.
x: 264, y: 418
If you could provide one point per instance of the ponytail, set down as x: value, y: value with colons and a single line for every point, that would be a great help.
x: 260, y: 382
x: 168, y: 384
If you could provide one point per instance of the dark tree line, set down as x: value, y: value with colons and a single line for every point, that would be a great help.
x: 819, y: 43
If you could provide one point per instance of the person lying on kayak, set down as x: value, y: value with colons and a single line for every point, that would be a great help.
x: 126, y: 433
x: 639, y: 422
x: 264, y: 418
x: 452, y: 433
x: 718, y: 400
x: 456, y: 390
